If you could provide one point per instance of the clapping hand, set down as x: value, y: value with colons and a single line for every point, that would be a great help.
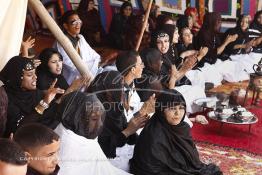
x: 231, y: 38
x: 148, y: 106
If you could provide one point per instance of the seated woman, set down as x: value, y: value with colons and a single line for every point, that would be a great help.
x: 242, y: 44
x: 71, y: 25
x: 117, y: 131
x: 147, y: 84
x: 50, y: 69
x: 186, y: 41
x: 170, y: 63
x: 208, y: 37
x: 82, y: 116
x: 25, y: 102
x: 165, y: 145
x: 92, y: 27
x: 118, y: 25
x: 214, y: 69
x: 240, y: 50
x: 152, y: 60
x: 162, y: 41
x: 255, y: 31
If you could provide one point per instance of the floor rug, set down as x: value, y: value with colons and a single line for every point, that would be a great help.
x: 235, y: 136
x: 231, y: 161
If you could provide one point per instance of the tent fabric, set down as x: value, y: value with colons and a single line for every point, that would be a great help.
x: 12, y: 23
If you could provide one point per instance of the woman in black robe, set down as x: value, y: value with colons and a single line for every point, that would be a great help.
x: 186, y: 41
x: 169, y: 53
x: 165, y: 145
x: 255, y: 32
x: 24, y: 100
x: 152, y: 59
x: 208, y: 36
x: 240, y: 45
x: 92, y: 27
x: 255, y: 29
x: 118, y: 25
x: 50, y: 69
x: 109, y: 88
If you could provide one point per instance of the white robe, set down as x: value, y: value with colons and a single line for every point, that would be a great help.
x: 79, y: 156
x: 246, y: 61
x: 190, y: 94
x: 88, y: 55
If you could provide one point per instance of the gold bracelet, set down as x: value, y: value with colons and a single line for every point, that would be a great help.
x: 39, y: 111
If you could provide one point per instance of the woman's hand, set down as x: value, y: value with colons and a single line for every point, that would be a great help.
x: 134, y: 124
x: 231, y: 38
x: 51, y: 92
x: 148, y: 106
x: 188, y: 53
x: 202, y: 52
x: 249, y: 45
x: 77, y: 84
x: 27, y: 44
x: 36, y: 62
x: 201, y: 119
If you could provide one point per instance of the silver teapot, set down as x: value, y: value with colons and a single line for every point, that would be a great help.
x: 258, y: 68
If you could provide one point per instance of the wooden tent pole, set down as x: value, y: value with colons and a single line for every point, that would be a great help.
x: 40, y: 10
x: 144, y: 25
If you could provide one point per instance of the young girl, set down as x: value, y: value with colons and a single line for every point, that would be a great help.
x: 50, y: 69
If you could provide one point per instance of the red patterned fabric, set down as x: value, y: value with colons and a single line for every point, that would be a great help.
x: 235, y: 136
x: 230, y: 161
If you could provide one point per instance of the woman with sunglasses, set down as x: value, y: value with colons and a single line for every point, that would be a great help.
x: 71, y: 25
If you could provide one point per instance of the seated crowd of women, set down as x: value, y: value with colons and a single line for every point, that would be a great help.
x: 152, y: 90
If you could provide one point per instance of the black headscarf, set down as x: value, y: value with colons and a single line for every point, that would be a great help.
x: 124, y: 5
x: 171, y: 57
x: 75, y: 111
x: 241, y: 39
x: 255, y: 24
x: 165, y: 148
x: 44, y: 77
x: 208, y: 37
x: 12, y: 75
x: 20, y: 102
x: 150, y: 75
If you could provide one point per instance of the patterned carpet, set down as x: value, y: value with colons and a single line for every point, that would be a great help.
x: 231, y: 161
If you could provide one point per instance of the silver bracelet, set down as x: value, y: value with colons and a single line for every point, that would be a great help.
x: 44, y: 104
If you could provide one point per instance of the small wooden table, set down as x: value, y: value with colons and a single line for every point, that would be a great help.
x: 255, y: 85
